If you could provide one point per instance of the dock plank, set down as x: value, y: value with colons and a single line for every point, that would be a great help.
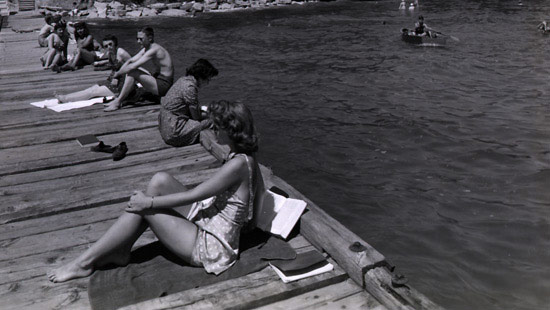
x: 24, y: 159
x: 17, y: 137
x: 336, y: 296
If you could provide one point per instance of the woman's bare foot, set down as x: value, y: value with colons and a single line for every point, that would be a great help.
x: 112, y: 106
x: 68, y: 272
x: 60, y: 98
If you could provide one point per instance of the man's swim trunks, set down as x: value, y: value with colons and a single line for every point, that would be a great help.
x: 163, y: 84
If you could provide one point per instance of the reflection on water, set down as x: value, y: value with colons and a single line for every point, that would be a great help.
x: 436, y: 156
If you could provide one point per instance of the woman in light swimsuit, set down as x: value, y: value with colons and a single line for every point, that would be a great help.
x: 201, y: 225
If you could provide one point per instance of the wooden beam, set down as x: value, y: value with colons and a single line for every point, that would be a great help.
x: 378, y: 282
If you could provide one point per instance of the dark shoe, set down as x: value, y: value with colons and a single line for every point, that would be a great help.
x: 101, y: 147
x: 56, y: 68
x: 67, y: 67
x: 120, y: 151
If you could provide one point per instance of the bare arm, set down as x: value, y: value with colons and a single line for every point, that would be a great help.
x: 124, y: 69
x: 230, y: 174
x: 89, y: 40
x: 134, y: 64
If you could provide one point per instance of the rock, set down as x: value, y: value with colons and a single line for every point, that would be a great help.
x: 186, y: 6
x: 93, y: 14
x: 120, y: 12
x: 136, y: 13
x: 173, y: 12
x: 101, y: 9
x: 115, y: 5
x: 211, y: 6
x: 173, y: 5
x: 198, y: 7
x: 226, y: 6
x: 148, y: 12
x: 159, y: 6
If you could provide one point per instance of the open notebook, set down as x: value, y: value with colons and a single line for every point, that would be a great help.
x: 278, y: 214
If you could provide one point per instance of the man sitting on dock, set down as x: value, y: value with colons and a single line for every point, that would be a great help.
x: 156, y: 84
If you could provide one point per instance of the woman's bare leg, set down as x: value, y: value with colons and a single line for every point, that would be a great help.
x: 115, y: 245
x: 56, y: 58
x: 48, y: 58
x: 171, y: 228
x: 75, y: 60
x: 88, y: 93
x: 124, y: 232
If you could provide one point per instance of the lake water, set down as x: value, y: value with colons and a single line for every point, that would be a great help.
x: 438, y: 157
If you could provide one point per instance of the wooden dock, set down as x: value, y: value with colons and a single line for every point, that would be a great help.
x: 57, y: 198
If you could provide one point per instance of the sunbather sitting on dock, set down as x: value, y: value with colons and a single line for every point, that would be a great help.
x: 157, y: 84
x: 115, y: 56
x: 45, y: 31
x: 200, y: 230
x: 181, y: 118
x: 84, y: 54
x: 57, y: 47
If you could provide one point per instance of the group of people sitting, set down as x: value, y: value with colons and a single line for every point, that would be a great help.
x: 180, y: 118
x: 56, y: 34
x: 202, y: 225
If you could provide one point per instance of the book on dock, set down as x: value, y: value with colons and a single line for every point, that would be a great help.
x: 305, y: 265
x: 278, y: 213
x: 87, y: 140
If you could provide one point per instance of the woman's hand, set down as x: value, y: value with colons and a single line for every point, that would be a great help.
x: 139, y: 202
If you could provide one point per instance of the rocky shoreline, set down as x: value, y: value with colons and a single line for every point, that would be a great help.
x: 118, y: 10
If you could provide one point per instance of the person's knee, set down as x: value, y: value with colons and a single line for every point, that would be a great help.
x: 135, y: 73
x: 159, y: 181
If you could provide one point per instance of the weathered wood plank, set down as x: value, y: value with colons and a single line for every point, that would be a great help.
x: 84, y: 194
x: 39, y: 295
x: 343, y: 295
x: 112, y: 123
x: 378, y: 284
x: 253, y: 290
x: 22, y: 267
x: 49, y: 156
x: 25, y: 115
x: 85, y: 162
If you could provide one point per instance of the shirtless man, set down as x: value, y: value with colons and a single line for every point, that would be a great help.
x: 157, y: 84
x: 114, y: 58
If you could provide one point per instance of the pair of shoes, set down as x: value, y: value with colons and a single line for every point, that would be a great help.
x: 119, y: 151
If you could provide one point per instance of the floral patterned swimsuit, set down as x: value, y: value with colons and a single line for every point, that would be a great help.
x: 220, y: 220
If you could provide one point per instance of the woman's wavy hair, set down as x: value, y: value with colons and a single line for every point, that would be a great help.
x: 202, y: 69
x: 236, y: 119
x: 81, y: 25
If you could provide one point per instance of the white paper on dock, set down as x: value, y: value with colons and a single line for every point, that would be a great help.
x: 54, y: 104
